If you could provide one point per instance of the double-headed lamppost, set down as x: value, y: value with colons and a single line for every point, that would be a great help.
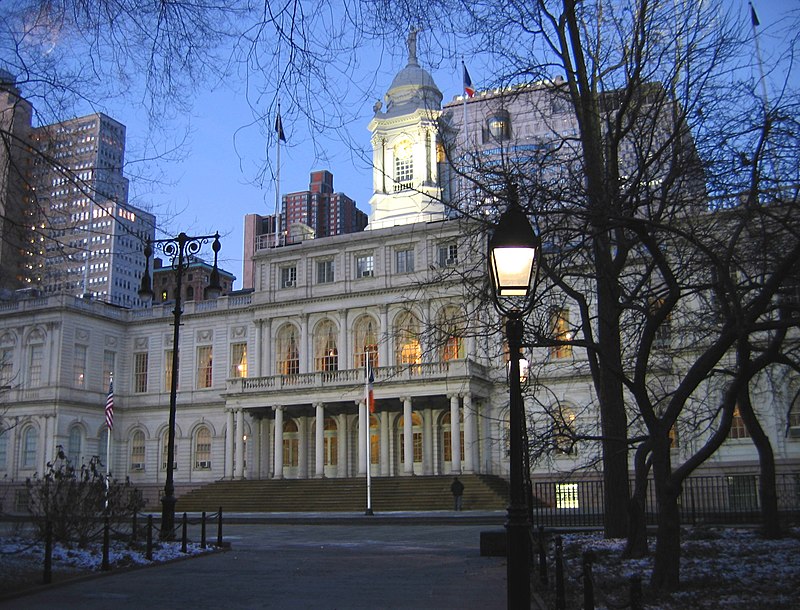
x: 514, y: 251
x: 179, y: 250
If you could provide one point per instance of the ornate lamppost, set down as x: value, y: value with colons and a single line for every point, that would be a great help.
x: 179, y: 250
x: 514, y: 251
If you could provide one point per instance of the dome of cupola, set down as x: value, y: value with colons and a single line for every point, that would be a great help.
x: 413, y: 87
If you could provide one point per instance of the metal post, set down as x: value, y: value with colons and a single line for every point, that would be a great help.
x: 105, y: 566
x: 517, y: 523
x: 588, y: 581
x: 47, y: 578
x: 203, y: 530
x: 561, y: 602
x: 184, y: 524
x: 219, y: 527
x: 149, y: 551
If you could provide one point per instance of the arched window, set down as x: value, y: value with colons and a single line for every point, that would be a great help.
x: 29, y: 441
x: 564, y: 439
x: 202, y: 448
x: 7, y: 359
x: 450, y: 327
x: 416, y: 432
x: 561, y: 331
x: 291, y: 439
x: 326, y: 355
x: 447, y: 438
x: 408, y: 349
x: 190, y: 293
x: 498, y: 125
x: 331, y: 448
x: 288, y: 360
x: 366, y: 342
x: 403, y: 166
x: 137, y: 450
x: 3, y: 452
x: 35, y: 358
x: 165, y: 452
x: 74, y: 445
x: 738, y: 427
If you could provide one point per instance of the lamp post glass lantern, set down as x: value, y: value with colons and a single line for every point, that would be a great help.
x: 514, y: 251
x: 179, y: 251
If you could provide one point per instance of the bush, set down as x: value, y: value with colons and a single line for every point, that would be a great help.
x: 75, y: 501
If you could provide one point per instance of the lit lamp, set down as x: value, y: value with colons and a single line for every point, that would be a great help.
x: 179, y: 251
x: 514, y: 251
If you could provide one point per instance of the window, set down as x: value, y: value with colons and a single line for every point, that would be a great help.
x: 35, y: 356
x: 29, y: 447
x: 447, y: 255
x: 6, y: 366
x: 290, y: 444
x: 190, y: 293
x: 140, y: 362
x: 3, y: 451
x: 239, y: 360
x: 564, y: 432
x: 74, y: 445
x: 204, y: 366
x: 406, y: 337
x: 403, y: 166
x: 738, y: 429
x: 102, y: 446
x: 366, y: 343
x: 743, y: 492
x: 288, y: 360
x: 288, y: 277
x: 567, y: 495
x: 165, y: 452
x: 451, y: 341
x: 416, y: 432
x: 326, y: 355
x: 404, y: 261
x: 331, y: 443
x: 364, y: 265
x: 168, y: 371
x: 324, y: 272
x: 559, y: 324
x: 202, y: 448
x: 663, y: 334
x: 109, y: 360
x: 447, y: 438
x: 79, y: 366
x: 137, y: 450
x: 499, y: 125
x: 794, y: 419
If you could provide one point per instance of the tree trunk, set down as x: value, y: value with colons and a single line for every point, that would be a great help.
x: 768, y: 494
x: 666, y: 567
x: 636, y: 546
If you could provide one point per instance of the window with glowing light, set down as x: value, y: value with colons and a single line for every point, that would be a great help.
x: 408, y: 349
x: 561, y: 331
x: 239, y: 360
x: 326, y: 354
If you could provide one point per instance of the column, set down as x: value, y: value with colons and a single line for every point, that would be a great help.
x: 408, y: 438
x: 342, y: 438
x: 455, y: 435
x: 278, y: 434
x: 427, y: 442
x: 470, y: 441
x: 362, y: 437
x: 383, y: 342
x: 319, y: 449
x: 343, y: 349
x: 385, y: 472
x: 228, y: 444
x: 306, y: 356
x: 302, y: 458
x: 238, y: 441
x: 267, y: 350
x: 259, y: 351
x: 44, y: 446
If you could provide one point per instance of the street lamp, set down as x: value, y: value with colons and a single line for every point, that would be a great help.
x: 514, y: 251
x: 179, y: 250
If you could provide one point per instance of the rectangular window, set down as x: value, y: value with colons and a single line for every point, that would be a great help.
x: 6, y: 366
x: 567, y: 495
x: 288, y: 277
x: 324, y: 272
x: 447, y: 255
x: 204, y: 366
x: 559, y: 323
x: 35, y: 356
x: 239, y: 360
x: 404, y: 261
x: 109, y: 360
x: 79, y: 366
x: 140, y: 362
x: 168, y: 371
x: 364, y: 265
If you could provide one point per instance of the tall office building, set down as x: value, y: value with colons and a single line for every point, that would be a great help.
x: 15, y: 131
x: 91, y: 238
x: 316, y: 212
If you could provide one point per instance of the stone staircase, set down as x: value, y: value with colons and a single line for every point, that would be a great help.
x: 417, y: 493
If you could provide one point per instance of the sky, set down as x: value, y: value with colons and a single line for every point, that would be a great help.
x: 212, y: 182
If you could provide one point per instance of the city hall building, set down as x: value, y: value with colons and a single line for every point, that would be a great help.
x: 272, y: 382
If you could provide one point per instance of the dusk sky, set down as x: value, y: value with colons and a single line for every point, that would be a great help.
x: 213, y: 181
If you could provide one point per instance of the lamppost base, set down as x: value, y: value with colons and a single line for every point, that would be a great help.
x: 168, y: 517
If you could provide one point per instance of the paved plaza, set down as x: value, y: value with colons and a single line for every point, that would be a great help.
x: 297, y: 565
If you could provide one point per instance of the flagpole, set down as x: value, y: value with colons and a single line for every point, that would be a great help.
x: 279, y: 134
x: 754, y: 22
x: 368, y: 439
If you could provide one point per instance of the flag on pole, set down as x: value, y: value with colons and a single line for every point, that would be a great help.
x: 279, y: 127
x: 110, y: 406
x: 469, y: 90
x: 370, y: 388
x: 753, y: 17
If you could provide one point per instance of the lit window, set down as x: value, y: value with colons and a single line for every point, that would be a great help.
x: 403, y: 166
x: 205, y: 362
x: 451, y: 339
x: 137, y: 450
x: 366, y: 343
x: 738, y: 429
x: 239, y: 360
x: 168, y: 355
x: 408, y: 349
x: 79, y: 366
x: 559, y: 323
x: 109, y: 360
x: 288, y: 360
x: 567, y: 495
x: 416, y: 433
x: 331, y: 443
x: 564, y: 432
x: 290, y: 444
x: 326, y: 354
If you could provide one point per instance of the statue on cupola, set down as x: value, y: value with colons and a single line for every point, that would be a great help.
x: 405, y: 141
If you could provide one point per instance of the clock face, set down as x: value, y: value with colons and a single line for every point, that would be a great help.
x: 403, y: 149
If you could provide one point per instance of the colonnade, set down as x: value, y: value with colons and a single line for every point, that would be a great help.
x: 385, y: 432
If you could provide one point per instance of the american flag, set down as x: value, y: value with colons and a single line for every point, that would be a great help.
x: 110, y: 406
